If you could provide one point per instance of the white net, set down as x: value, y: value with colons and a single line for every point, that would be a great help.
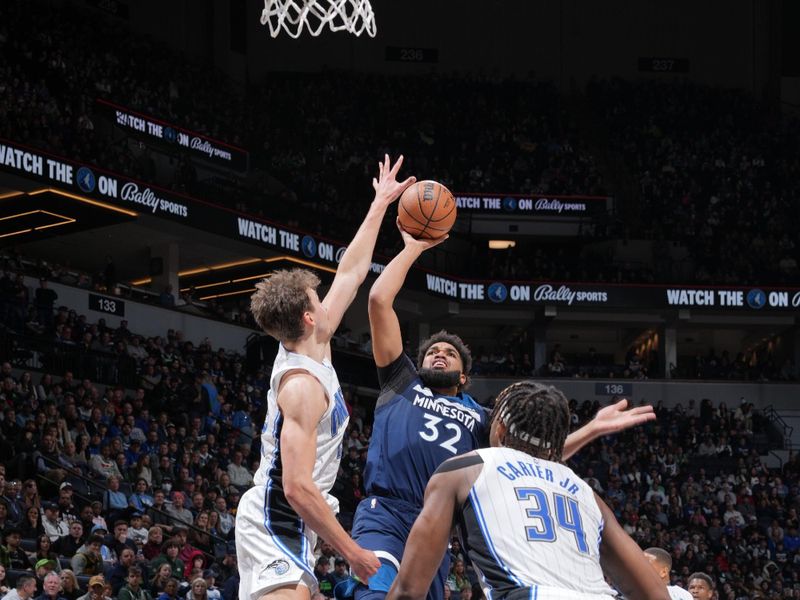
x: 291, y: 16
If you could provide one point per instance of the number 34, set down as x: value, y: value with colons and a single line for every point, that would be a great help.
x: 568, y: 517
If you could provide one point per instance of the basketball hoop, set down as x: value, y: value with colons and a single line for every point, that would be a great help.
x: 353, y: 16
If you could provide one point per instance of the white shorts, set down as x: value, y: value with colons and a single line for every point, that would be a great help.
x: 274, y: 548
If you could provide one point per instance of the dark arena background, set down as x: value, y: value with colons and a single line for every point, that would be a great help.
x: 626, y: 180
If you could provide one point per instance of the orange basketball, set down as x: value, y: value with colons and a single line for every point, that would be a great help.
x: 427, y: 210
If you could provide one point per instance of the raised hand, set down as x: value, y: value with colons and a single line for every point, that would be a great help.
x: 617, y: 417
x: 387, y: 188
x: 420, y: 245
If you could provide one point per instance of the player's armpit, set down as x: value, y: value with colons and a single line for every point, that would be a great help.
x: 624, y: 562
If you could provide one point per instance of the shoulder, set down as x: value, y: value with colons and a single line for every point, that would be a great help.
x: 460, y: 462
x: 395, y: 377
x: 400, y: 367
x: 297, y: 385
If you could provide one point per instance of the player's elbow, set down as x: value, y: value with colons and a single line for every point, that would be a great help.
x: 297, y: 492
x: 378, y: 300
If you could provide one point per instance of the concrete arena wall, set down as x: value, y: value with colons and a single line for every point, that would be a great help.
x: 150, y: 320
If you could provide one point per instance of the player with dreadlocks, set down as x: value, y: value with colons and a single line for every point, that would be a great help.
x: 530, y: 526
x: 424, y: 416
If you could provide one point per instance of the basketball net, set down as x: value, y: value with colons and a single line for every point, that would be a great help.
x: 353, y: 16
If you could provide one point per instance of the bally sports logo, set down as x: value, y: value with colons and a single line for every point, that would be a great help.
x: 566, y: 295
x: 131, y: 192
x: 554, y: 205
x: 206, y: 147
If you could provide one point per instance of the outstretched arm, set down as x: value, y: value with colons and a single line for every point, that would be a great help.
x: 608, y: 420
x: 302, y: 402
x: 354, y: 266
x: 387, y: 341
x: 624, y: 562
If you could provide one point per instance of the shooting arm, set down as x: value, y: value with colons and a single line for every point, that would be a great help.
x: 387, y: 341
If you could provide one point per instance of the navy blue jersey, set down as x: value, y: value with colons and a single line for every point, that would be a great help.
x: 415, y: 431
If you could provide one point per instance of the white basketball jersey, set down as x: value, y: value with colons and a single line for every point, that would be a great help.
x: 678, y: 593
x: 533, y: 525
x: 330, y: 429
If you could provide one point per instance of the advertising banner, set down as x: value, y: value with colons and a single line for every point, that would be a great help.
x: 92, y: 181
x: 196, y: 144
x: 95, y: 182
x: 533, y: 206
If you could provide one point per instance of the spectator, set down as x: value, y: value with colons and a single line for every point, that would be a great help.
x: 25, y: 589
x: 16, y: 557
x: 200, y: 534
x: 54, y: 526
x: 103, y: 465
x: 97, y: 519
x: 42, y: 568
x: 44, y: 551
x: 155, y: 540
x: 69, y: 544
x: 229, y: 569
x: 120, y: 541
x: 29, y: 498
x: 180, y: 516
x: 69, y: 585
x: 88, y: 560
x: 169, y: 555
x: 458, y: 577
x: 133, y: 590
x: 140, y: 499
x: 161, y: 577
x: 195, y: 560
x: 212, y: 591
x: 341, y: 571
x: 4, y: 589
x: 170, y: 591
x: 158, y: 511
x: 323, y: 581
x: 198, y: 590
x: 240, y: 476
x: 115, y: 504
x: 51, y: 588
x: 97, y: 589
x: 119, y: 575
x: 226, y: 519
x: 137, y: 533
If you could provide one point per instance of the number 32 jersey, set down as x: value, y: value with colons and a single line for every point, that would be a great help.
x: 532, y: 528
x: 415, y: 431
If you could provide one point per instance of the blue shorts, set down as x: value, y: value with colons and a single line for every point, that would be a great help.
x: 383, y: 525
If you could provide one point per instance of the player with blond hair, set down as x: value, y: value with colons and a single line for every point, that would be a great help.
x: 278, y: 520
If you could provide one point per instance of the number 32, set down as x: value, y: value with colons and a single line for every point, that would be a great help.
x: 431, y: 433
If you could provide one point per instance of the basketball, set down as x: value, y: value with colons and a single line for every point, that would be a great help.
x: 427, y: 210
